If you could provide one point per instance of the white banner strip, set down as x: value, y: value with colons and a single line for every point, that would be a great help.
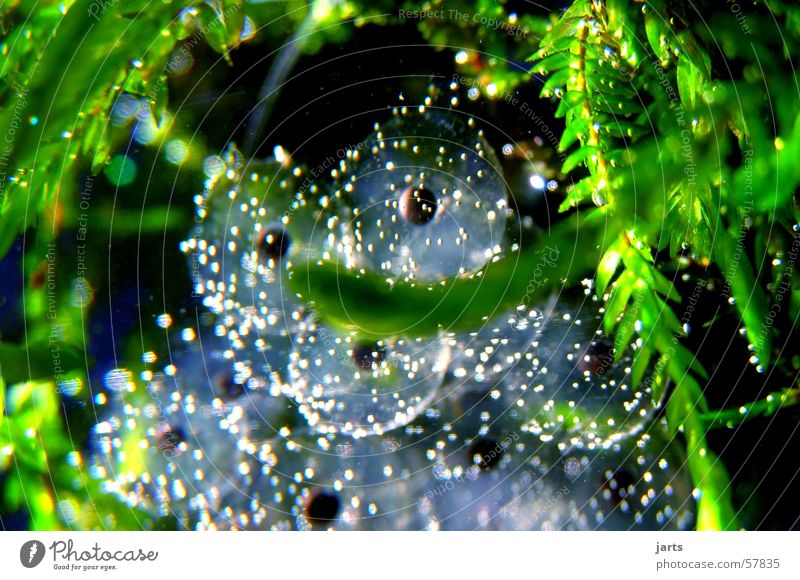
x: 399, y: 555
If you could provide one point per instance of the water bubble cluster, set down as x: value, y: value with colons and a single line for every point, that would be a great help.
x: 428, y: 201
x: 561, y: 376
x: 263, y: 416
x: 363, y: 387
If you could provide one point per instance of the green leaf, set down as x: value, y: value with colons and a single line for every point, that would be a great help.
x: 556, y: 45
x: 552, y: 63
x: 570, y: 104
x: 33, y: 404
x: 338, y: 295
x: 28, y: 449
x: 618, y: 300
x: 41, y: 505
x: 222, y: 24
x: 627, y: 109
x: 660, y: 381
x: 574, y: 129
x: 14, y: 494
x: 688, y: 360
x: 579, y: 192
x: 640, y: 263
x: 653, y: 22
x: 620, y: 128
x: 71, y: 98
x: 556, y: 80
x: 627, y: 325
x: 765, y: 407
x: 658, y: 313
x: 21, y: 364
x: 715, y: 506
x: 641, y: 360
x: 608, y: 267
x: 751, y: 301
x: 697, y: 55
x: 688, y: 83
x: 578, y: 157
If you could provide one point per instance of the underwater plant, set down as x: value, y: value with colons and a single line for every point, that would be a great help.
x: 392, y: 265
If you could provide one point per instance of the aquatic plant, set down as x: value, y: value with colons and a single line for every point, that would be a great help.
x: 373, y: 317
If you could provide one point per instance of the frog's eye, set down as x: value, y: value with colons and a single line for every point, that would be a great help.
x: 597, y: 357
x: 486, y: 453
x: 226, y: 386
x: 273, y: 243
x: 322, y: 508
x: 417, y: 205
x: 365, y: 356
x: 617, y: 485
x: 170, y: 438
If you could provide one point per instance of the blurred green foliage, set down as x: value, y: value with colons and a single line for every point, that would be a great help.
x: 670, y: 159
